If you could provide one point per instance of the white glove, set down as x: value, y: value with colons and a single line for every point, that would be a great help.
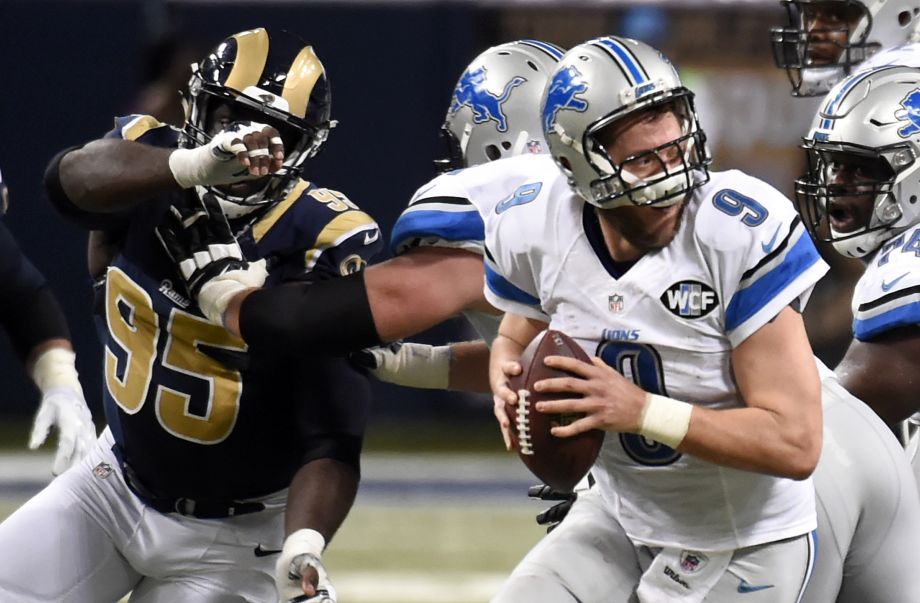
x: 216, y: 162
x: 409, y: 364
x: 302, y: 549
x: 62, y: 405
x: 215, y: 295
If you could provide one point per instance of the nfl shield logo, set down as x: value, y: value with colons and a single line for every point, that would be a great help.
x: 691, y: 561
x: 102, y: 470
x: 615, y: 303
x: 534, y: 146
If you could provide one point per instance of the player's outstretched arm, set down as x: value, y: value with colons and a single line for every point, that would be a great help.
x: 386, y: 302
x: 874, y: 371
x: 460, y: 366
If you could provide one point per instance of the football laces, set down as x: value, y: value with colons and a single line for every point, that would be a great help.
x: 522, y: 422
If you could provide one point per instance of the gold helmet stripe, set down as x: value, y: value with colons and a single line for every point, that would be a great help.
x: 305, y: 71
x: 251, y: 54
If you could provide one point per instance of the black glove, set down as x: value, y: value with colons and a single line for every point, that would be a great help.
x: 198, y: 238
x: 554, y: 515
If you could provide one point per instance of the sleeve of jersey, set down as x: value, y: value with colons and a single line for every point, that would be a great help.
x: 777, y: 264
x: 889, y: 301
x: 439, y: 215
x: 333, y: 236
x: 511, y: 278
x: 143, y: 128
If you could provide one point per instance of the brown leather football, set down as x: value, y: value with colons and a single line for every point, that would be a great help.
x: 559, y: 462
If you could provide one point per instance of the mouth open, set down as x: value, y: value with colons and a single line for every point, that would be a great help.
x: 842, y: 217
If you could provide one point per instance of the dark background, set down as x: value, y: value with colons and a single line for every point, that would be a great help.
x: 68, y: 67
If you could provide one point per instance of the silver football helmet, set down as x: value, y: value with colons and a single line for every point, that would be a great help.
x: 600, y: 82
x: 864, y: 28
x: 494, y: 110
x: 277, y: 81
x: 863, y: 180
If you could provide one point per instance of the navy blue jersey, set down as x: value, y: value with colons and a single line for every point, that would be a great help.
x: 197, y: 412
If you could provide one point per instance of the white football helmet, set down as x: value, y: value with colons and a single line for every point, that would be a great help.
x: 600, y: 82
x: 868, y: 127
x: 879, y: 25
x: 494, y: 110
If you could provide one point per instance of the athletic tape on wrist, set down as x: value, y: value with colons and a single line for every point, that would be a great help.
x: 665, y: 420
x: 417, y: 365
x: 305, y: 540
x: 55, y: 368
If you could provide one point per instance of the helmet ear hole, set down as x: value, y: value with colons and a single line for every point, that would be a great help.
x: 904, y: 17
x: 492, y: 152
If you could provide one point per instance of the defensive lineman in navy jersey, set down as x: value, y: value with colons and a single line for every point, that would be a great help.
x: 217, y: 449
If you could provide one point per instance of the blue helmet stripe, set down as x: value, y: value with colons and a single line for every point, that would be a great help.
x: 625, y: 58
x: 833, y: 104
x: 549, y: 49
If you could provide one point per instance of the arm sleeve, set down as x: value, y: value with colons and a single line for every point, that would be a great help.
x: 28, y: 309
x: 332, y: 316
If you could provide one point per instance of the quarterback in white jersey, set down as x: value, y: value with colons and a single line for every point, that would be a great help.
x: 680, y: 284
x: 827, y: 40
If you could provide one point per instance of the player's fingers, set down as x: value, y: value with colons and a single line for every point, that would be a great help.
x: 581, y: 425
x: 40, y: 428
x: 309, y: 580
x: 503, y: 422
x: 64, y: 455
x: 562, y: 385
x: 275, y: 144
x: 564, y: 406
x: 511, y: 368
x: 572, y: 365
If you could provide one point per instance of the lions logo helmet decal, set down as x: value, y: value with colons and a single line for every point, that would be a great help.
x: 471, y: 92
x: 910, y: 113
x: 566, y: 84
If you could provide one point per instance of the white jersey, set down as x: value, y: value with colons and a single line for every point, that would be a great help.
x: 887, y: 295
x: 905, y: 55
x: 448, y: 212
x: 670, y: 323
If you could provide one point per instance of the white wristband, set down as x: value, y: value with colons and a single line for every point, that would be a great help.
x: 304, y: 540
x: 55, y: 368
x: 665, y: 420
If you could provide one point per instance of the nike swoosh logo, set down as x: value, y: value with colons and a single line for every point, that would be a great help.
x: 744, y: 587
x: 887, y: 286
x: 260, y: 552
x: 368, y: 239
x: 768, y: 246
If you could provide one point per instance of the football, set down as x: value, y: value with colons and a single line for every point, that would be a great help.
x: 559, y: 462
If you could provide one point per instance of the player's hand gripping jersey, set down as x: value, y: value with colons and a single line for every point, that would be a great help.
x: 195, y: 413
x: 670, y: 323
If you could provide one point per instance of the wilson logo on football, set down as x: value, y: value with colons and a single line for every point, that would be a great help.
x: 689, y: 299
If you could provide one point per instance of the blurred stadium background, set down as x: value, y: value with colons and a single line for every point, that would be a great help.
x: 443, y: 513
